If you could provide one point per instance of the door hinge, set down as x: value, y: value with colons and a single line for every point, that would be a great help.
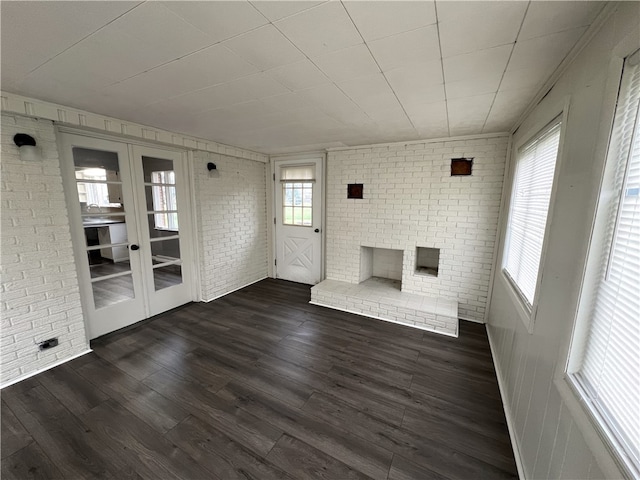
x: 275, y: 261
x: 274, y: 220
x: 274, y: 177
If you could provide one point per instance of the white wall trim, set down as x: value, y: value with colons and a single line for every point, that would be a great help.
x: 63, y: 115
x: 40, y: 370
x: 415, y: 142
x: 507, y: 411
x: 235, y: 289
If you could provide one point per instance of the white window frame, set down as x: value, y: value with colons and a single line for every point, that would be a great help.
x: 606, y: 448
x: 161, y: 189
x: 528, y: 313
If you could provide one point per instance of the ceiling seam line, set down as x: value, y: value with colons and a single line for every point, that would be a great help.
x: 380, y: 68
x: 486, y: 119
x: 322, y: 71
x: 84, y: 38
x: 444, y: 80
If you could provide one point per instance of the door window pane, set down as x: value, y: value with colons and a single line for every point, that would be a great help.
x: 112, y: 290
x: 297, y: 202
x: 167, y: 276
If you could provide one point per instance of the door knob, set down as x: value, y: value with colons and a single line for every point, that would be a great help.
x: 317, y: 230
x: 134, y: 247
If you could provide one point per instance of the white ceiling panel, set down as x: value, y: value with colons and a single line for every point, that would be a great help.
x: 210, y: 66
x: 265, y: 48
x: 348, y: 63
x: 42, y: 30
x: 409, y: 48
x: 377, y: 20
x: 418, y: 84
x: 321, y: 29
x: 544, y: 18
x: 469, y: 26
x: 473, y: 87
x: 277, y: 9
x: 481, y: 63
x: 278, y: 76
x: 544, y: 52
x: 299, y: 76
x: 220, y: 19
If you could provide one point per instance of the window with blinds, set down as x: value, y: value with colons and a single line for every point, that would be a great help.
x: 531, y: 193
x: 607, y: 370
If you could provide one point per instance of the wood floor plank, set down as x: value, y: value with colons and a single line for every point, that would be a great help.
x: 340, y: 444
x: 14, y: 435
x: 148, y: 405
x: 245, y: 428
x: 221, y: 455
x: 29, y: 463
x: 140, y: 444
x: 307, y: 463
x: 260, y: 384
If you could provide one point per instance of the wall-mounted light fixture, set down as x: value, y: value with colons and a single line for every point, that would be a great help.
x: 211, y: 166
x: 29, y: 152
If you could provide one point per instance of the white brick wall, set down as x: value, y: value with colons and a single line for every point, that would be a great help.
x: 231, y: 222
x: 39, y: 297
x: 411, y: 200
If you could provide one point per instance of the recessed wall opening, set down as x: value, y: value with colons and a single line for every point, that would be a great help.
x: 381, y: 263
x: 427, y: 261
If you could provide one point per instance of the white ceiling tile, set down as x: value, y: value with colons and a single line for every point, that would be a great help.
x: 332, y: 101
x: 544, y: 18
x: 469, y: 26
x: 287, y: 102
x: 469, y: 111
x: 529, y: 77
x: 491, y: 61
x: 298, y: 76
x: 348, y: 63
x: 417, y: 84
x: 219, y: 20
x: 430, y: 117
x: 242, y: 90
x: 544, y: 52
x: 507, y: 108
x: 277, y: 9
x: 210, y: 66
x: 154, y: 26
x: 321, y: 30
x: 41, y: 30
x: 407, y: 48
x: 370, y: 93
x: 265, y: 48
x: 377, y: 20
x: 473, y: 86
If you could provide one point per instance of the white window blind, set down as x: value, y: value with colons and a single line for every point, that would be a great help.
x: 532, y: 185
x: 609, y: 375
x: 298, y: 173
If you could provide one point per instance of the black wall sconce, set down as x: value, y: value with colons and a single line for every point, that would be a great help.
x: 211, y: 166
x: 29, y: 152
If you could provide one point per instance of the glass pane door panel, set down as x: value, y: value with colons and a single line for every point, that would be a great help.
x: 167, y: 276
x: 158, y: 170
x: 112, y: 290
x: 163, y: 224
x: 165, y: 250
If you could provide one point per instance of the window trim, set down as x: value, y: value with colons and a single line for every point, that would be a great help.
x: 602, y: 446
x: 528, y: 314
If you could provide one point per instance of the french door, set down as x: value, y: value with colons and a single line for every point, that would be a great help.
x: 128, y: 207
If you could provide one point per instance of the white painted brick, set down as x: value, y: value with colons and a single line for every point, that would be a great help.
x: 33, y: 213
x: 411, y: 200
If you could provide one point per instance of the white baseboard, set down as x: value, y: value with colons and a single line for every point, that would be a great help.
x: 40, y: 370
x: 507, y: 413
x: 235, y: 289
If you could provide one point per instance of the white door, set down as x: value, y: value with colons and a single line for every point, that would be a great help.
x: 298, y: 196
x: 130, y: 257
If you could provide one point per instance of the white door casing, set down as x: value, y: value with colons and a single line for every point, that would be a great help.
x: 298, y: 219
x: 127, y: 292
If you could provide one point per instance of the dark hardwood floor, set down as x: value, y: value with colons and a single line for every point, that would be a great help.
x: 261, y: 385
